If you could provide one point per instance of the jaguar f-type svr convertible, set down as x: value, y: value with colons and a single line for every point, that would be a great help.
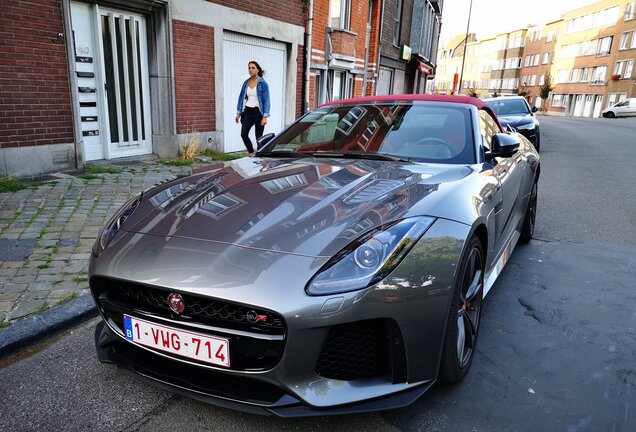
x: 342, y: 269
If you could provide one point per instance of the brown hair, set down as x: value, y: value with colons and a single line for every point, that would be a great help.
x: 261, y: 72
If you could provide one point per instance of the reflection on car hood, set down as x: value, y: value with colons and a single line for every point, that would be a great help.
x: 305, y: 206
x: 515, y: 120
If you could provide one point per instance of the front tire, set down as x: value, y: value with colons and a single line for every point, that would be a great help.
x: 462, y: 327
x: 609, y: 114
x: 529, y: 221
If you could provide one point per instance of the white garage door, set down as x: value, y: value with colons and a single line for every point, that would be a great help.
x: 238, y: 51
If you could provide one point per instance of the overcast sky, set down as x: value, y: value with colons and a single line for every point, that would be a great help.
x: 492, y: 17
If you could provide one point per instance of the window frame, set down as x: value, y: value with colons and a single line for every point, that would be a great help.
x: 344, y: 16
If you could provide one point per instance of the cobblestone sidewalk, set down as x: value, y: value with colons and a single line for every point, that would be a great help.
x: 47, y: 232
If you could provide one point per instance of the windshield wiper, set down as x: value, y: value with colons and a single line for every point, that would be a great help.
x: 361, y: 155
x: 283, y: 153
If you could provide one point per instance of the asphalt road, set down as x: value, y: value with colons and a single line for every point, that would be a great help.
x: 588, y: 180
x: 557, y: 348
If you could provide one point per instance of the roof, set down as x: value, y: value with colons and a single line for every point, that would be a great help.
x: 413, y: 97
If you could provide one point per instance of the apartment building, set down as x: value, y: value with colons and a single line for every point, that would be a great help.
x: 449, y: 63
x: 595, y: 59
x: 537, y: 61
x: 506, y: 70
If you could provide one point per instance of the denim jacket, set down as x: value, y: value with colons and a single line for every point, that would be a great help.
x: 262, y: 92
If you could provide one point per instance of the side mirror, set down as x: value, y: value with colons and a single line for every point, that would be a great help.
x: 262, y: 141
x: 503, y: 145
x: 535, y: 109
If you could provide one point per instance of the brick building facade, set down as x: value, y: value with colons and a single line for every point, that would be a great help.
x: 108, y: 79
x: 84, y: 81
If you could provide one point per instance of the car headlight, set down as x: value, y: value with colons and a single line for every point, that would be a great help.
x: 528, y: 126
x: 113, y: 225
x: 370, y: 258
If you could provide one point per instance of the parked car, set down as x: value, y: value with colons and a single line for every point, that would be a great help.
x: 341, y: 269
x: 515, y: 111
x: 623, y: 108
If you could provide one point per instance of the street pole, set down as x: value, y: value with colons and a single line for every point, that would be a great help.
x: 461, y: 76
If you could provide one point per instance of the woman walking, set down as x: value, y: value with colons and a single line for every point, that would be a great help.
x: 252, y: 108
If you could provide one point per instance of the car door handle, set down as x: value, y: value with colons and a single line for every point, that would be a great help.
x: 498, y: 206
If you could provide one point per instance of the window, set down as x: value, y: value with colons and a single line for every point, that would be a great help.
x: 629, y: 11
x: 598, y: 74
x: 629, y: 66
x: 549, y: 36
x: 513, y: 63
x: 558, y: 100
x: 546, y: 58
x: 585, y: 76
x: 576, y: 75
x: 618, y: 67
x: 604, y: 45
x: 633, y: 44
x: 340, y: 85
x: 541, y: 80
x: 533, y: 80
x: 398, y: 24
x: 535, y: 60
x: 624, y: 39
x: 339, y: 10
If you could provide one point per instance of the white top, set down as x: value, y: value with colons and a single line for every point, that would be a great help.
x: 252, y: 99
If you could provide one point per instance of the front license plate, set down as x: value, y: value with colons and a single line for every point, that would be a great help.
x: 195, y: 346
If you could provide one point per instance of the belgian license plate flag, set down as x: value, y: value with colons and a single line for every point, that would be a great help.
x: 196, y: 346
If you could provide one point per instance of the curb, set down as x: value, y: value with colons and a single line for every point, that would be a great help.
x: 28, y: 331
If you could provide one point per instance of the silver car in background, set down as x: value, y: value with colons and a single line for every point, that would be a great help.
x: 340, y: 270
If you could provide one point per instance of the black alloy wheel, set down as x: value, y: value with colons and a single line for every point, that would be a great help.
x: 529, y: 221
x: 464, y: 316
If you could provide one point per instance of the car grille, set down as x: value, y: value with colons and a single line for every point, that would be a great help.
x: 355, y: 351
x: 116, y: 297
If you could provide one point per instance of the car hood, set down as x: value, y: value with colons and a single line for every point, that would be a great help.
x: 309, y: 206
x: 516, y: 120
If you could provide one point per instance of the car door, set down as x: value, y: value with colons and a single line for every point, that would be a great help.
x: 632, y: 107
x: 509, y: 199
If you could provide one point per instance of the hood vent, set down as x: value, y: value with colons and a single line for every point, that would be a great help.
x: 373, y: 190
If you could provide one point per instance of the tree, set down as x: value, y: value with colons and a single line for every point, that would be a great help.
x: 544, y: 90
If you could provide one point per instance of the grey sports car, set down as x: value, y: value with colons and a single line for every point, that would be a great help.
x: 340, y: 270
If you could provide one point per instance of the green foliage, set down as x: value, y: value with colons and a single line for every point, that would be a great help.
x: 67, y: 299
x: 80, y: 279
x: 7, y: 184
x: 88, y: 176
x: 215, y: 155
x: 94, y: 169
x: 546, y: 88
x: 177, y: 162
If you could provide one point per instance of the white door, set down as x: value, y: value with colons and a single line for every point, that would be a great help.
x: 238, y: 51
x: 112, y: 75
x: 587, y: 110
x: 598, y: 106
x: 578, y: 106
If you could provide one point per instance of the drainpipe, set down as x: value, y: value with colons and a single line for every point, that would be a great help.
x: 310, y: 22
x: 377, y: 64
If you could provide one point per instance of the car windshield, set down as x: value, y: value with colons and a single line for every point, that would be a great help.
x: 503, y: 107
x: 401, y: 131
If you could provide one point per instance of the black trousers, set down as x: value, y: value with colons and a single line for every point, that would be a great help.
x: 251, y: 117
